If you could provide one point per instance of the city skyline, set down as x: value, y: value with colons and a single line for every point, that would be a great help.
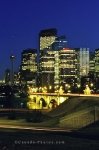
x: 21, y: 22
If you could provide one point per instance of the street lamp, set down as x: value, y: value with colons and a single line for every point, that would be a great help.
x: 91, y: 85
x: 12, y: 58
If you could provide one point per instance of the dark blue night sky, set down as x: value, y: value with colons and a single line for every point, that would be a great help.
x: 21, y: 21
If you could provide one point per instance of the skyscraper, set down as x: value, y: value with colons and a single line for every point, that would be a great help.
x: 68, y: 65
x: 97, y: 62
x: 58, y: 67
x: 83, y: 61
x: 29, y: 66
x: 46, y: 38
x: 97, y: 68
x: 92, y: 64
x: 47, y: 60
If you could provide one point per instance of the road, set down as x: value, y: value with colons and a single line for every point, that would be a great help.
x: 33, y: 138
x: 46, y: 129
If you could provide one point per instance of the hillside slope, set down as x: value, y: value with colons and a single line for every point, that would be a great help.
x: 73, y: 105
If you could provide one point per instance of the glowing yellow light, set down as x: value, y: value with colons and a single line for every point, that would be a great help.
x: 91, y: 84
x: 61, y: 91
x: 87, y: 90
x: 78, y: 85
x: 62, y: 99
x: 50, y: 87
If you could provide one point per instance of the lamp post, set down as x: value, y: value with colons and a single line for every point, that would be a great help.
x: 12, y: 58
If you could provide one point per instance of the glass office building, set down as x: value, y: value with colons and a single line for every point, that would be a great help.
x: 29, y: 66
x: 46, y: 38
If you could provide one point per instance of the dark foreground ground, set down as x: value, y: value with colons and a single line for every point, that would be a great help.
x: 11, y: 139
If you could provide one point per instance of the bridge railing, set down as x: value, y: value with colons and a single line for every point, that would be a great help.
x: 64, y: 94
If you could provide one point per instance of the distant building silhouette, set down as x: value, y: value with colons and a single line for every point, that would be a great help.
x: 7, y: 76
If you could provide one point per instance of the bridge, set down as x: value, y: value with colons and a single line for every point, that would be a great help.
x: 50, y: 100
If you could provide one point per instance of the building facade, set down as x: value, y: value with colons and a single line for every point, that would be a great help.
x: 96, y: 62
x: 68, y: 66
x: 58, y: 67
x: 46, y: 38
x: 47, y: 60
x: 92, y: 64
x: 83, y: 61
x: 28, y: 69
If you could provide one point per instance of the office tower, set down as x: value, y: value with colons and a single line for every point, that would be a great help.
x: 82, y: 66
x: 96, y: 62
x: 68, y: 66
x: 84, y: 61
x: 97, y: 69
x: 47, y: 67
x: 46, y: 38
x: 91, y: 64
x: 58, y: 67
x: 28, y: 67
x: 59, y: 44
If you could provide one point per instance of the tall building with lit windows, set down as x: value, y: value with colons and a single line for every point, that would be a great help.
x: 96, y: 62
x: 58, y: 67
x: 96, y: 72
x: 28, y: 67
x: 50, y: 45
x: 92, y: 64
x: 59, y: 44
x: 68, y: 66
x: 83, y: 59
x: 46, y: 38
x: 47, y: 67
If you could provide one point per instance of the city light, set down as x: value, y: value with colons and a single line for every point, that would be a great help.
x: 55, y: 70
